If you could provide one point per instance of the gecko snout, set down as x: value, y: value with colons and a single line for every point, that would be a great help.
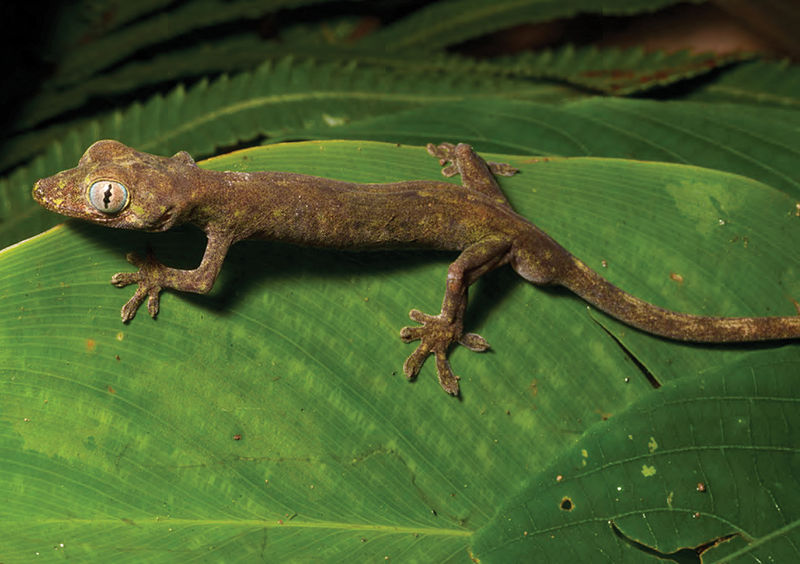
x: 38, y: 191
x: 46, y: 193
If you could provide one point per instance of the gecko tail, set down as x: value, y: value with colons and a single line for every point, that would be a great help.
x: 629, y: 309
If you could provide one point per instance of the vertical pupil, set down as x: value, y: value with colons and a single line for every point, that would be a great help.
x: 107, y: 196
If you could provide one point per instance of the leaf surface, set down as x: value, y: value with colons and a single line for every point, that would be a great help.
x: 760, y: 143
x: 707, y: 466
x: 271, y: 418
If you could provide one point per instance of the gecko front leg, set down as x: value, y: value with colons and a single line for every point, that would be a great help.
x: 476, y: 174
x: 153, y: 276
x: 438, y: 332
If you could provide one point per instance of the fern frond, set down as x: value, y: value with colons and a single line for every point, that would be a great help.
x: 227, y: 55
x: 619, y: 72
x: 613, y: 71
x: 104, y: 16
x: 762, y: 83
x: 450, y: 22
x: 88, y: 59
x: 610, y: 71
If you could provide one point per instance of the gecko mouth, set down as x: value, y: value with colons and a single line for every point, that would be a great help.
x: 164, y: 222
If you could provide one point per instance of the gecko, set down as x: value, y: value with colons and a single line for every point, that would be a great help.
x: 116, y: 186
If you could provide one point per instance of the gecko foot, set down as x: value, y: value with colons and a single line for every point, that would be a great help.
x: 449, y: 155
x: 148, y: 278
x: 445, y: 152
x: 436, y: 335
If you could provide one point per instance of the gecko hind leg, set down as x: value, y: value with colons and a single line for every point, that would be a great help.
x: 476, y: 173
x: 438, y: 332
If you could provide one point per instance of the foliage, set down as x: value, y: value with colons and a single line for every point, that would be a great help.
x: 271, y: 421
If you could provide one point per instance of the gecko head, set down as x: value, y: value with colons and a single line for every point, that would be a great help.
x: 117, y: 186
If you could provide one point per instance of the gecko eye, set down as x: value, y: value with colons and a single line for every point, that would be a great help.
x: 108, y: 196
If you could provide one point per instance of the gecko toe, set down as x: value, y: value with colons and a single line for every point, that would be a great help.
x: 411, y: 334
x: 449, y: 170
x: 122, y: 279
x: 442, y: 151
x: 474, y: 342
x: 413, y: 363
x: 447, y: 380
x: 129, y: 309
x: 153, y: 302
x: 502, y: 169
x: 420, y: 317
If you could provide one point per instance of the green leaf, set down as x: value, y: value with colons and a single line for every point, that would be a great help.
x: 760, y: 143
x: 707, y: 465
x: 120, y: 441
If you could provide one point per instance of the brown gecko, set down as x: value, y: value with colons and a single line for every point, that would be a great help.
x: 116, y: 186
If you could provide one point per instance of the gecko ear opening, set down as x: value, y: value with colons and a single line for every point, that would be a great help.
x: 184, y: 157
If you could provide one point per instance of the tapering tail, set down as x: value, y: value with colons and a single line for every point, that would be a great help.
x: 596, y: 290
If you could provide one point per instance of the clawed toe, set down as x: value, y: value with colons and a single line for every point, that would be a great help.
x: 414, y: 362
x: 129, y: 309
x: 449, y: 170
x: 474, y: 342
x: 443, y: 151
x: 153, y: 301
x: 411, y: 334
x: 122, y: 279
x: 502, y: 169
x: 447, y: 380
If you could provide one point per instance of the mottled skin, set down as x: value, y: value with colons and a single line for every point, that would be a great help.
x: 475, y: 219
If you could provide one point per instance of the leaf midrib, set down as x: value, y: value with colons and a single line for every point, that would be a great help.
x: 260, y: 523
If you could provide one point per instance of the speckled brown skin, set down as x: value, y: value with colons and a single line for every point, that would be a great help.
x: 475, y: 219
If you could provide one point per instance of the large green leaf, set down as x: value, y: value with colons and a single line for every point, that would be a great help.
x: 761, y: 143
x: 271, y: 419
x: 708, y: 466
